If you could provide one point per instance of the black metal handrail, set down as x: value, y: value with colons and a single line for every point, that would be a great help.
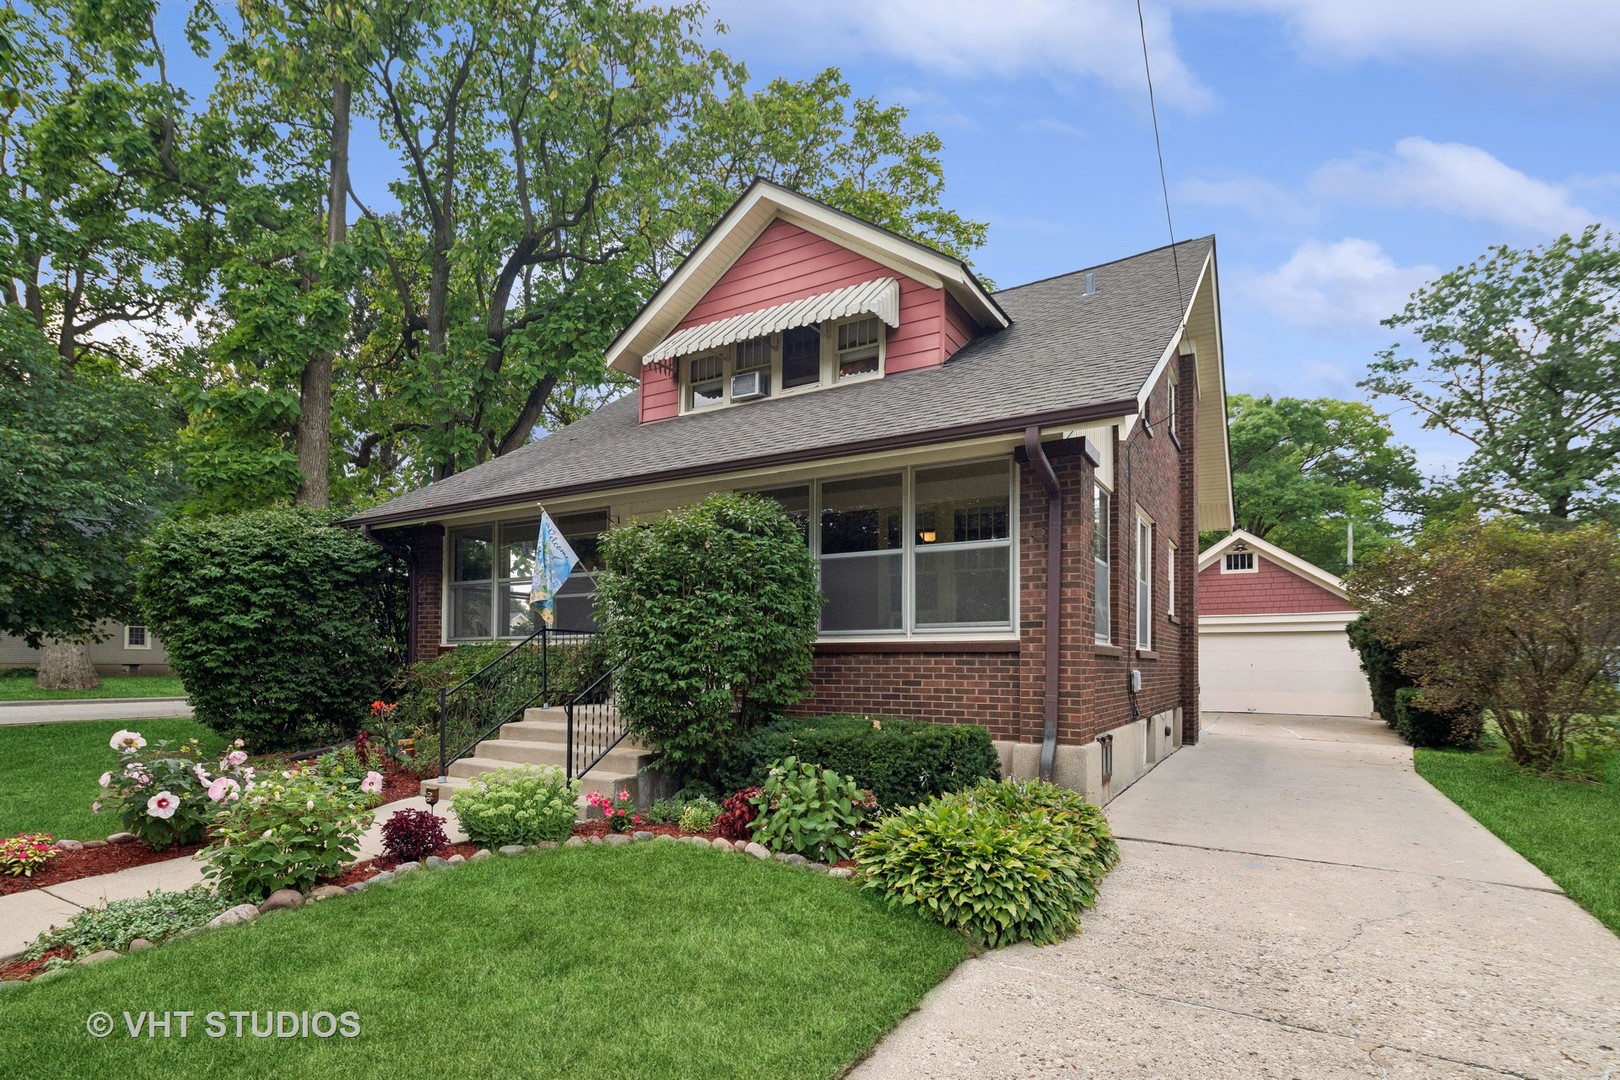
x: 594, y: 726
x: 499, y: 692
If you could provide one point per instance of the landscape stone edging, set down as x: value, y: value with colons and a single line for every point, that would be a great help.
x: 290, y: 899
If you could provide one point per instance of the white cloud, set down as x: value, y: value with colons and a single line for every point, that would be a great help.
x: 970, y: 38
x: 1349, y: 285
x: 1457, y: 179
x: 1544, y: 33
x: 1254, y: 196
x: 1051, y: 125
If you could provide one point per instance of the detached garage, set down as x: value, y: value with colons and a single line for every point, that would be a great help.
x: 1271, y: 634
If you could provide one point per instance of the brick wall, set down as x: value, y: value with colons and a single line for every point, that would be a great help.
x: 1270, y: 590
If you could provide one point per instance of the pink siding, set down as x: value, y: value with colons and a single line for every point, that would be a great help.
x: 788, y: 263
x: 1271, y: 590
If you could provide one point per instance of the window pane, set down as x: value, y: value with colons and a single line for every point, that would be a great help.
x: 583, y: 531
x: 517, y: 548
x: 754, y: 354
x: 709, y: 393
x: 860, y: 515
x: 801, y: 357
x: 963, y: 503
x: 795, y: 503
x: 470, y: 611
x: 1099, y: 524
x: 708, y: 367
x: 137, y: 636
x: 964, y: 586
x: 863, y: 593
x: 576, y: 611
x: 858, y: 347
x: 519, y: 617
x: 473, y: 557
x: 1100, y: 599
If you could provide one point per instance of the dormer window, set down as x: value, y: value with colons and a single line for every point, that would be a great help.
x: 860, y: 347
x: 706, y: 375
x: 798, y: 359
x: 801, y: 357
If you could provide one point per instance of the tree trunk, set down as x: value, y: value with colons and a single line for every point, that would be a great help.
x: 65, y: 665
x: 314, y: 439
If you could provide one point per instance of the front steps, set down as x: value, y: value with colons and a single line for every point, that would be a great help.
x: 541, y: 738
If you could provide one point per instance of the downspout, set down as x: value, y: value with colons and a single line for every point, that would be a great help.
x: 403, y: 554
x: 1042, y: 466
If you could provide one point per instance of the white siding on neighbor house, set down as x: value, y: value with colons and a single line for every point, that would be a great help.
x: 110, y: 656
x: 1298, y: 664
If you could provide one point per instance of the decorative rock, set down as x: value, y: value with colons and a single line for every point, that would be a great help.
x: 546, y: 845
x: 139, y: 944
x: 92, y: 844
x: 616, y: 838
x: 434, y: 862
x: 406, y: 867
x: 121, y: 838
x: 241, y: 913
x: 758, y: 851
x: 791, y: 858
x: 282, y: 899
x: 695, y: 841
x: 641, y: 834
x: 841, y: 872
x: 327, y: 892
x: 818, y: 867
x: 98, y: 956
x: 70, y: 845
x: 663, y: 836
x: 511, y: 849
x: 381, y: 879
x: 742, y: 845
x: 454, y: 859
x: 359, y: 886
x: 723, y: 845
x: 574, y: 841
x: 481, y: 853
x: 594, y: 840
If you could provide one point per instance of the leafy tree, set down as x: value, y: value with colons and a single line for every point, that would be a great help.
x: 83, y: 477
x: 1303, y: 470
x: 1498, y: 614
x: 1524, y: 363
x: 713, y: 609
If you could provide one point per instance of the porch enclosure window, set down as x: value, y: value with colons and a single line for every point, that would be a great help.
x: 916, y: 551
x: 1100, y: 563
x: 492, y: 568
x: 1144, y: 582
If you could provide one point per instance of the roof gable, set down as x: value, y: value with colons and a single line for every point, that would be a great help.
x: 1277, y: 556
x: 760, y: 208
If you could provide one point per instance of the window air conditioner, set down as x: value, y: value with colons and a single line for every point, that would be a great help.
x: 750, y: 385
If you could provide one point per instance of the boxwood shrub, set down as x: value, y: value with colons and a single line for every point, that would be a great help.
x: 1002, y: 861
x: 902, y: 762
x: 1421, y: 726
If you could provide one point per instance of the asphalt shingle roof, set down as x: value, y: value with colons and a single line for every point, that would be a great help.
x: 1064, y: 352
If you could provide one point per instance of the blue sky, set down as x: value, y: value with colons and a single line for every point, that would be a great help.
x: 1343, y: 151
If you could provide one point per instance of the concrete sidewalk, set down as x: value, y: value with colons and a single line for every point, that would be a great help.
x: 14, y: 713
x: 24, y: 916
x: 1293, y: 901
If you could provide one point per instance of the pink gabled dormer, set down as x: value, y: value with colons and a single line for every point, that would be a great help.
x: 787, y: 296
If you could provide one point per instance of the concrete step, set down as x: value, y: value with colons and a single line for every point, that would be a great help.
x: 530, y: 752
x: 550, y: 731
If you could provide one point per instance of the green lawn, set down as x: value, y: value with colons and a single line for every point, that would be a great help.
x: 654, y: 960
x: 15, y: 688
x: 48, y: 772
x: 1570, y: 830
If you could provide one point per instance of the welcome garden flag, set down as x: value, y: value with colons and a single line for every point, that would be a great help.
x: 554, y: 560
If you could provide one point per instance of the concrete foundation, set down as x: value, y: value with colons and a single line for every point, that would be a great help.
x: 1102, y: 769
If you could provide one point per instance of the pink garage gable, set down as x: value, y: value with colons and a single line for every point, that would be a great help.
x: 789, y: 263
x: 1270, y: 590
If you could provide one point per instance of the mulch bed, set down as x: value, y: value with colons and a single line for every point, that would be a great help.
x: 27, y: 969
x: 72, y: 865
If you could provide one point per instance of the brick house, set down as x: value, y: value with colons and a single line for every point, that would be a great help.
x: 944, y: 447
x: 1271, y: 633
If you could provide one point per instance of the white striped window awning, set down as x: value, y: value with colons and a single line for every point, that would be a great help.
x: 880, y: 297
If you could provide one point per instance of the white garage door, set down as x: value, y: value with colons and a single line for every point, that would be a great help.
x: 1300, y: 664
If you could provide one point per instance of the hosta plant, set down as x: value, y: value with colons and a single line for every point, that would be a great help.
x: 167, y: 794
x: 289, y: 832
x: 21, y: 855
x: 1000, y: 861
x: 522, y: 805
x: 810, y: 811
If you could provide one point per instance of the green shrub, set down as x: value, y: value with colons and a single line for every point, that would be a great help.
x: 902, y: 762
x: 662, y: 812
x: 569, y: 668
x: 287, y: 832
x: 523, y: 805
x: 713, y: 610
x: 270, y: 619
x: 1421, y: 726
x: 165, y: 794
x: 1000, y: 861
x: 810, y: 811
x: 699, y: 814
x: 1379, y: 663
x: 154, y: 917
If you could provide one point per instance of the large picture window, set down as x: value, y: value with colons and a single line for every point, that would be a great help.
x: 492, y: 569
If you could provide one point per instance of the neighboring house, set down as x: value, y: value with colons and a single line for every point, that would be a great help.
x: 1271, y: 634
x: 944, y: 449
x: 129, y: 649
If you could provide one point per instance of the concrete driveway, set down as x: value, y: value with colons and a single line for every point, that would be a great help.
x: 1293, y: 901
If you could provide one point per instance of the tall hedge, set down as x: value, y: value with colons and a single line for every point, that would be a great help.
x: 269, y: 617
x: 1379, y: 663
x: 713, y: 611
